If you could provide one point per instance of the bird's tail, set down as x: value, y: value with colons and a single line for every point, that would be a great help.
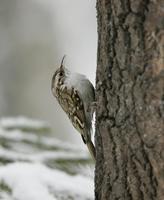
x: 91, y: 149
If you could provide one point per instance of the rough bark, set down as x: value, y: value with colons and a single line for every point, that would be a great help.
x: 130, y: 100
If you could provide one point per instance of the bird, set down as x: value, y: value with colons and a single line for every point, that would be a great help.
x: 75, y: 94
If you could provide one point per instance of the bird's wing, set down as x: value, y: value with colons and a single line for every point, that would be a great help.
x: 72, y: 104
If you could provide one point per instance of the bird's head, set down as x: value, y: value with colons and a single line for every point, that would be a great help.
x: 58, y: 76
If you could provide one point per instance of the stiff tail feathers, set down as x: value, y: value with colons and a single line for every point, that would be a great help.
x: 91, y: 149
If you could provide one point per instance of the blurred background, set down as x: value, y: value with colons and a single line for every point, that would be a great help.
x: 34, y: 36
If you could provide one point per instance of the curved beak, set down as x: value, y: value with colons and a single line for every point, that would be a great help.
x: 61, y: 65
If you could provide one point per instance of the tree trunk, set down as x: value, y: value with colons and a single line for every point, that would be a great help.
x: 130, y: 100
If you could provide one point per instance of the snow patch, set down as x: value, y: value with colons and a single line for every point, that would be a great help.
x: 21, y: 122
x: 37, y: 182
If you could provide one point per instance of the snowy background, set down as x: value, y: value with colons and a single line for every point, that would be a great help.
x: 43, y: 158
x: 35, y: 166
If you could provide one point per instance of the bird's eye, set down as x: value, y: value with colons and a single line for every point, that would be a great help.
x: 61, y: 73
